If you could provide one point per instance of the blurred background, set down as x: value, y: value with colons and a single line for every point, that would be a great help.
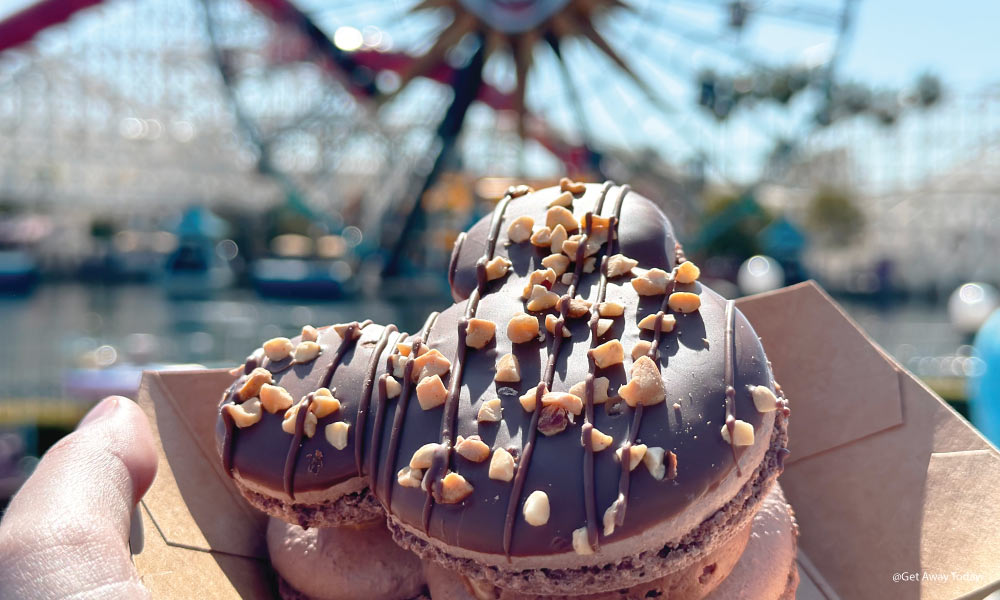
x: 181, y: 180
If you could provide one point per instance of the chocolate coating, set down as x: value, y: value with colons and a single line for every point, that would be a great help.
x: 692, y: 359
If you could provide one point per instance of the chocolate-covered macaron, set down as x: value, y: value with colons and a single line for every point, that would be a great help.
x: 587, y: 417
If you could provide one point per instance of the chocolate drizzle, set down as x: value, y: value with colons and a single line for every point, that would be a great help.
x: 366, y: 396
x: 227, y: 441
x: 383, y: 396
x: 441, y: 458
x: 729, y: 358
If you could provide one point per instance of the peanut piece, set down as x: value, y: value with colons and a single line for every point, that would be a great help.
x: 424, y: 456
x: 635, y: 455
x: 251, y: 387
x: 556, y: 262
x: 536, y: 508
x: 599, y: 441
x: 278, y: 348
x: 292, y: 414
x: 589, y: 265
x: 600, y: 389
x: 410, y: 478
x: 306, y: 351
x: 399, y: 365
x: 501, y: 465
x: 603, y: 325
x: 607, y: 354
x: 541, y: 299
x: 567, y: 278
x: 473, y: 449
x: 323, y: 404
x: 743, y: 434
x: 336, y: 434
x: 508, y: 369
x: 431, y: 392
x: 392, y: 387
x: 454, y: 489
x: 609, y: 518
x: 274, y: 398
x: 641, y: 348
x: 541, y: 237
x: 558, y: 215
x: 544, y: 278
x: 763, y: 398
x: 564, y: 199
x: 516, y: 191
x: 431, y: 363
x: 570, y: 402
x: 684, y: 302
x: 645, y: 385
x: 667, y: 322
x: 559, y: 236
x: 574, y: 187
x: 520, y: 229
x: 490, y: 411
x: 246, y: 414
x: 550, y: 325
x: 598, y: 224
x: 342, y: 328
x: 661, y: 463
x: 522, y: 328
x: 651, y: 283
x: 578, y: 307
x: 619, y: 265
x: 479, y: 332
x: 497, y: 268
x: 610, y: 309
x: 687, y: 272
x: 581, y: 542
x: 309, y: 333
x: 528, y: 400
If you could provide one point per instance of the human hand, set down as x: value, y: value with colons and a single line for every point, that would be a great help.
x: 66, y: 532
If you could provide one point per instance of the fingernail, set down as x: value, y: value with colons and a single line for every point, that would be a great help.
x: 104, y: 409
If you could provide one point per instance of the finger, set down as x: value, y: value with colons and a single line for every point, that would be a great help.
x: 66, y: 531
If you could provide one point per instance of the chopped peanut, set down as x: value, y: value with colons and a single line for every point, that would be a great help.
x: 479, y: 332
x: 564, y: 199
x: 392, y: 387
x: 336, y: 434
x: 567, y: 278
x: 559, y: 236
x: 306, y: 351
x: 341, y: 329
x: 536, y: 508
x: 607, y: 354
x: 619, y: 265
x: 572, y: 245
x: 309, y: 333
x: 743, y: 433
x: 278, y: 348
x: 687, y: 272
x: 292, y: 414
x: 522, y: 328
x: 558, y: 215
x: 658, y: 467
x: 323, y: 404
x: 635, y: 455
x: 684, y: 302
x: 410, y: 478
x: 251, y: 387
x: 600, y: 390
x: 581, y: 542
x: 641, y: 348
x: 544, y: 278
x: 667, y: 322
x: 556, y: 262
x: 645, y: 385
x: 497, y: 268
x: 599, y: 441
x: 454, y: 489
x: 398, y: 365
x: 473, y: 449
x: 589, y: 265
x: 274, y: 398
x: 541, y: 237
x: 610, y: 309
x: 598, y: 224
x: 570, y: 402
x: 520, y: 229
x: 502, y: 465
x: 246, y: 414
x: 516, y: 191
x: 424, y: 456
x: 550, y: 325
x: 508, y: 369
x: 528, y: 400
x: 541, y: 299
x: 603, y: 325
x: 763, y: 398
x: 431, y: 392
x: 578, y: 307
x: 609, y: 518
x: 651, y: 283
x: 431, y: 363
x: 490, y: 411
x: 574, y: 187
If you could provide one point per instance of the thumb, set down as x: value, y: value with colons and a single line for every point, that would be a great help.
x: 66, y: 531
